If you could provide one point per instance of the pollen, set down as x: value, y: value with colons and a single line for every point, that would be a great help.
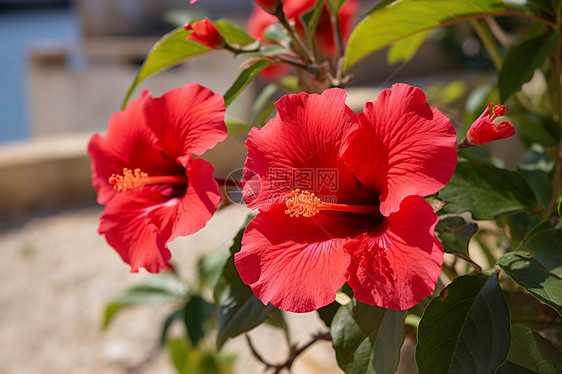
x: 130, y: 180
x: 302, y: 203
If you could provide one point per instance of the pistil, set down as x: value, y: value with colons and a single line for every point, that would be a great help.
x: 135, y: 179
x: 306, y: 204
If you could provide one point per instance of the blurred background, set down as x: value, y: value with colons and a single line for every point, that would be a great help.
x: 65, y: 67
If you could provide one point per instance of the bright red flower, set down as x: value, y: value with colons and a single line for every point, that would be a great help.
x: 373, y: 231
x: 206, y: 33
x: 484, y: 131
x: 144, y: 172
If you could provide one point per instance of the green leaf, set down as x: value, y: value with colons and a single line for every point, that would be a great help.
x: 367, y: 339
x: 529, y: 311
x: 454, y: 232
x: 166, y: 326
x: 270, y: 50
x: 465, y: 329
x: 399, y: 20
x: 536, y: 166
x: 405, y: 49
x: 522, y: 60
x: 197, y: 318
x: 311, y: 21
x: 487, y: 191
x: 237, y: 309
x: 170, y: 50
x: 531, y: 353
x: 158, y: 289
x: 243, y: 80
x: 232, y: 33
x: 537, y: 267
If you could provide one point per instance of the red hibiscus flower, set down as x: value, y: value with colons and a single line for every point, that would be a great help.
x: 484, y: 131
x: 144, y: 172
x: 206, y: 33
x: 370, y: 227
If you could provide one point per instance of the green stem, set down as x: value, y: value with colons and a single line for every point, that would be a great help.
x: 299, y: 45
x: 489, y: 42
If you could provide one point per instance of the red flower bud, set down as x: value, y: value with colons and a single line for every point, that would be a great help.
x: 269, y: 6
x: 204, y: 32
x: 484, y: 131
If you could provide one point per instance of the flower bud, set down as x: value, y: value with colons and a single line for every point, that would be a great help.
x: 206, y: 33
x: 484, y: 131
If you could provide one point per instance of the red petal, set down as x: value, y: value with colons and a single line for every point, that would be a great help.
x: 304, y: 138
x: 126, y: 228
x: 297, y: 264
x: 402, y: 147
x: 128, y: 143
x: 397, y: 264
x: 186, y: 120
x: 191, y: 212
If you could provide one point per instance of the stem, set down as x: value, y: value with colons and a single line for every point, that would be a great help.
x: 294, y: 352
x: 299, y: 45
x: 489, y: 42
x: 323, y: 336
x: 496, y: 30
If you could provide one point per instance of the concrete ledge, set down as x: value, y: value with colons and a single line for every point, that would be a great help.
x: 44, y: 174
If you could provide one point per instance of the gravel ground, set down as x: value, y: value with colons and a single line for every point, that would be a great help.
x: 59, y: 276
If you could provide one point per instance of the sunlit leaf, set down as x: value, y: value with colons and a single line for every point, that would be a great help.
x: 530, y: 353
x: 367, y: 339
x: 405, y: 49
x: 243, y: 80
x: 522, y: 60
x: 487, y: 191
x: 465, y: 329
x: 170, y: 50
x: 401, y: 19
x: 232, y: 33
x: 537, y: 266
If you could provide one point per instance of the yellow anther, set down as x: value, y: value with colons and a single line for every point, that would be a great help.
x: 302, y: 204
x: 130, y: 180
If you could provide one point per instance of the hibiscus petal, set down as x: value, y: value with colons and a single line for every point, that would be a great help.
x: 191, y: 212
x: 402, y: 147
x: 128, y: 143
x: 126, y: 228
x: 303, y: 140
x: 186, y: 120
x: 297, y: 264
x: 397, y: 264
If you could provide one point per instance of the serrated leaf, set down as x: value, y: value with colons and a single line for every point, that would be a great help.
x: 197, y: 318
x: 465, y: 329
x: 405, y: 49
x: 454, y: 232
x: 487, y: 191
x: 401, y: 19
x: 522, y: 60
x: 530, y: 353
x: 169, y: 50
x: 237, y: 309
x: 367, y: 339
x: 243, y: 80
x: 537, y: 267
